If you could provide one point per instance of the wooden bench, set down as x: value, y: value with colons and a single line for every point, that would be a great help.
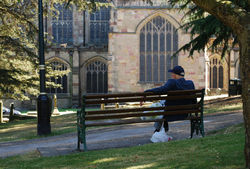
x: 119, y: 116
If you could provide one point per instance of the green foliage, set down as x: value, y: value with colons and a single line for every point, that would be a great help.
x: 19, y: 74
x: 90, y: 5
x: 17, y: 49
x: 203, y: 27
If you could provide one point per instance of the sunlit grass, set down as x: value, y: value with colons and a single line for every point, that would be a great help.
x: 222, y: 150
x: 222, y: 108
x: 27, y: 129
x: 142, y: 166
x: 104, y: 160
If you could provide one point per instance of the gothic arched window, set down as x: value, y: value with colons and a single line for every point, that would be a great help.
x: 158, y: 42
x: 97, y: 77
x: 63, y: 81
x: 62, y: 25
x: 99, y: 26
x: 214, y: 77
x: 216, y: 72
x: 221, y: 77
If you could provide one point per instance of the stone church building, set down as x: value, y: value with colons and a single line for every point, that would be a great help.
x: 126, y: 48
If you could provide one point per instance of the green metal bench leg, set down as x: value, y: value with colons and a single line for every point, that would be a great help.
x: 84, y: 137
x: 202, y: 120
x: 78, y: 130
x: 197, y: 127
x: 192, y: 128
x: 78, y: 142
x: 83, y: 124
x: 202, y: 128
x: 81, y: 131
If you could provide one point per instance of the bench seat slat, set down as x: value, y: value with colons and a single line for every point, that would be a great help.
x: 115, y: 116
x: 123, y: 122
x: 181, y: 107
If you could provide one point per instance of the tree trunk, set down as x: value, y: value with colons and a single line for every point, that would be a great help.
x: 244, y: 39
x: 237, y: 18
x: 11, y: 115
x: 228, y: 70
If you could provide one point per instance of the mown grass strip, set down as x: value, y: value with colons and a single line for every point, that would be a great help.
x: 222, y: 108
x: 222, y: 150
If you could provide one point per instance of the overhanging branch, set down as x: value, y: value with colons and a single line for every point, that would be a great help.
x: 224, y: 10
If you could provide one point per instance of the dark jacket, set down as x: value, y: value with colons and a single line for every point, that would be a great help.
x: 171, y: 85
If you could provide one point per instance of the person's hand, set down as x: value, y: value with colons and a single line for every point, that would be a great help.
x: 142, y: 102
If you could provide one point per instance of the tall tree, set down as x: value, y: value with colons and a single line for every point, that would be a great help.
x: 17, y: 68
x: 19, y: 76
x: 226, y: 19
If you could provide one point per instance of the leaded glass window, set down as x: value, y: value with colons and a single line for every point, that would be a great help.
x: 220, y: 77
x: 63, y: 81
x: 62, y: 25
x: 214, y: 77
x: 216, y: 73
x: 210, y: 76
x: 158, y: 42
x: 97, y: 77
x: 99, y: 26
x: 239, y: 76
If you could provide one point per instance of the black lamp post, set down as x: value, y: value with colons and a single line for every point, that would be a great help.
x: 43, y: 101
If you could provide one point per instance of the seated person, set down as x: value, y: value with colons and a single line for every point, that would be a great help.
x: 176, y: 83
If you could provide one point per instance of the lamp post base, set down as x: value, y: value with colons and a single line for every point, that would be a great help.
x: 44, y: 113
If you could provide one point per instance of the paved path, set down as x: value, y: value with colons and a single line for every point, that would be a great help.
x: 113, y: 137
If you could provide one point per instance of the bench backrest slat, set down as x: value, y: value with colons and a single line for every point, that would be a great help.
x: 100, y: 96
x: 120, y: 95
x: 181, y: 92
x: 138, y: 99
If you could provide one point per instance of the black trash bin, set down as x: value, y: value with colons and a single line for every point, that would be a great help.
x: 239, y: 87
x: 234, y: 87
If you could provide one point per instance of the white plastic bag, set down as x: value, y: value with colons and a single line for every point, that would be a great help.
x: 160, y: 136
x: 156, y: 104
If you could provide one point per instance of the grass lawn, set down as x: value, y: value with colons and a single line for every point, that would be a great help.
x: 222, y: 108
x: 222, y: 150
x: 27, y: 129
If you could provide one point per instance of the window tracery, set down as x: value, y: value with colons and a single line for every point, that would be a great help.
x: 158, y: 42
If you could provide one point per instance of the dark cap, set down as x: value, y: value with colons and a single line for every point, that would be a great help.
x: 177, y: 70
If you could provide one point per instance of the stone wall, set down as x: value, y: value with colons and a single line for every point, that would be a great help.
x: 124, y: 50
